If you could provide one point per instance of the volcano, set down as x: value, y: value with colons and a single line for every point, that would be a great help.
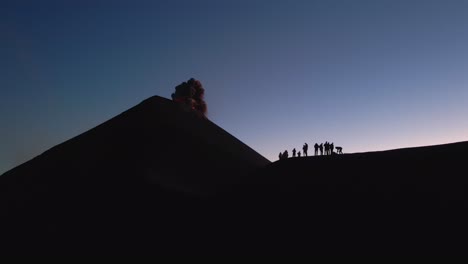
x: 155, y: 148
x: 161, y: 179
x: 157, y: 141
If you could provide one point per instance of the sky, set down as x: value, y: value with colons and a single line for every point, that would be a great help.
x: 367, y: 75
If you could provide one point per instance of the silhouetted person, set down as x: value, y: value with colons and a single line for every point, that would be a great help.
x: 299, y: 154
x: 321, y: 149
x: 316, y: 147
x: 305, y: 148
x: 331, y: 148
x: 285, y: 154
x: 327, y: 147
x: 339, y: 150
x: 280, y: 156
x: 294, y: 152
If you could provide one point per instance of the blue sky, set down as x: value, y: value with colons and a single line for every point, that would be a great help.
x: 366, y: 75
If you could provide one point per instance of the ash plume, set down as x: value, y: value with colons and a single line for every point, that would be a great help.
x: 191, y: 93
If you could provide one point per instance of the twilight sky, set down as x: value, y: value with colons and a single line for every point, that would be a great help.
x: 367, y: 75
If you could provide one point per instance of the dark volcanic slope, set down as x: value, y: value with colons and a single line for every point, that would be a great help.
x: 432, y: 169
x: 405, y: 201
x: 155, y: 141
x: 96, y: 187
x: 157, y: 179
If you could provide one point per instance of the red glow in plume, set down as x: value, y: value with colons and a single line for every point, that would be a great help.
x: 191, y: 93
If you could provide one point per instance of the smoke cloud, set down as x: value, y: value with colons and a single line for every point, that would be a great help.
x: 192, y: 94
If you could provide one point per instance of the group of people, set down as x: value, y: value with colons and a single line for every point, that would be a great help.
x: 325, y: 149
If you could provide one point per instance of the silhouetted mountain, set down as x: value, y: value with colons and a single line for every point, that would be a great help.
x: 154, y: 148
x: 161, y: 180
x: 156, y: 141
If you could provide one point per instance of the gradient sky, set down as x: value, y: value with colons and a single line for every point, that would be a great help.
x: 367, y: 75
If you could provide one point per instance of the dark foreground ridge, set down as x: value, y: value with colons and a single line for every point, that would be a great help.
x: 158, y: 179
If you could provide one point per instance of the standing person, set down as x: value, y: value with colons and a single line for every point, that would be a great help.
x: 321, y: 149
x: 326, y: 145
x: 305, y: 148
x: 280, y: 156
x: 331, y: 148
x: 299, y: 154
x: 316, y: 147
x: 294, y: 152
x: 285, y: 154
